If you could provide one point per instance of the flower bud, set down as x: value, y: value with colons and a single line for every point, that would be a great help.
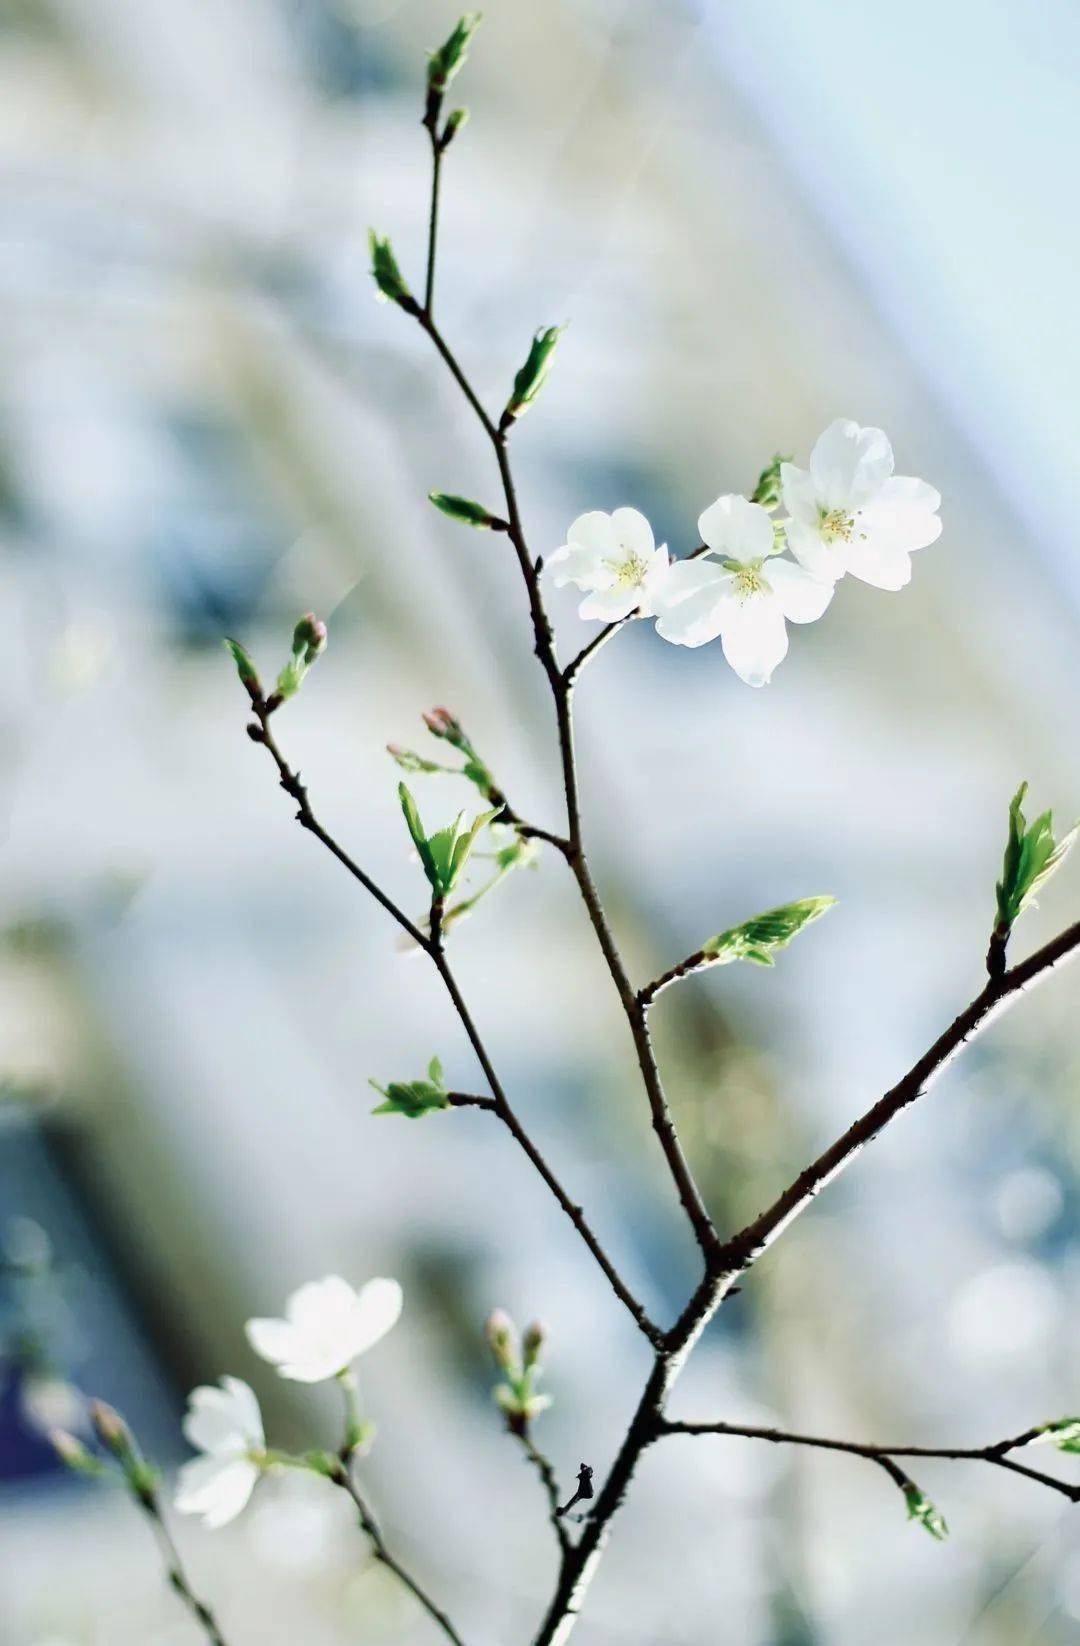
x: 73, y: 1454
x: 111, y: 1429
x: 532, y: 1342
x: 502, y: 1339
x: 309, y: 637
x: 441, y: 723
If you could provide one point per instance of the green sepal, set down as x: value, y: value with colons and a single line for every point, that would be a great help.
x: 1031, y: 857
x: 445, y: 62
x: 758, y: 939
x: 920, y: 1508
x: 414, y: 1098
x: 533, y: 374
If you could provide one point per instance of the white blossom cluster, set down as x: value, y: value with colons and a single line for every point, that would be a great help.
x: 847, y: 513
x: 328, y: 1324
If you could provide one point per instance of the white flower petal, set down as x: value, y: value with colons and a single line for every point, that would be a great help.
x: 211, y: 1426
x: 633, y: 532
x: 274, y: 1340
x: 879, y: 564
x: 734, y: 526
x: 755, y: 639
x: 904, y: 491
x: 691, y: 601
x: 821, y: 560
x: 233, y: 1487
x: 801, y: 596
x: 849, y: 464
x: 574, y: 563
x: 246, y: 1407
x: 799, y: 494
x: 379, y: 1304
x: 594, y: 531
x: 609, y: 605
x: 898, y: 528
x: 196, y: 1483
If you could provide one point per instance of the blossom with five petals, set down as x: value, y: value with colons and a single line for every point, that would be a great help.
x: 225, y: 1424
x: 850, y: 513
x: 747, y: 599
x: 614, y: 558
x: 327, y: 1324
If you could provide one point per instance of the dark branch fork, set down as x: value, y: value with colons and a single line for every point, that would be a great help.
x: 724, y: 1261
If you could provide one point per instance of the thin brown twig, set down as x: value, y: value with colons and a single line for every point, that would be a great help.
x: 344, y: 1478
x: 433, y: 947
x: 148, y: 1501
x: 997, y: 1453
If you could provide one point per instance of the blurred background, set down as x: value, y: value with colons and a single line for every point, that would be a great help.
x: 756, y: 219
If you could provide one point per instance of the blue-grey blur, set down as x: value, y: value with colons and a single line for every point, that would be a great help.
x: 755, y: 218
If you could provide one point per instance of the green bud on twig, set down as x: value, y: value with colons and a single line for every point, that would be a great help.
x: 414, y: 1098
x: 502, y: 1337
x: 767, y: 492
x: 308, y: 643
x: 532, y: 1342
x: 470, y: 513
x: 920, y: 1508
x: 245, y: 668
x: 757, y: 940
x: 444, y: 855
x: 410, y: 761
x: 1031, y: 857
x: 387, y: 276
x: 455, y: 120
x: 445, y: 62
x: 533, y: 374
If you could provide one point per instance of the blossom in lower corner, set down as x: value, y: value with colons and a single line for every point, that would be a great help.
x: 747, y: 598
x: 225, y: 1424
x: 327, y: 1324
x: 850, y: 513
x: 615, y: 560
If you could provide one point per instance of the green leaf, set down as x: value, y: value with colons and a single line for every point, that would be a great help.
x: 533, y: 374
x: 758, y: 939
x: 445, y: 63
x: 464, y: 509
x: 416, y: 830
x: 1031, y: 857
x: 386, y: 274
x: 1064, y: 1433
x: 767, y: 492
x: 414, y: 1098
x: 410, y: 761
x: 920, y: 1508
x: 466, y: 841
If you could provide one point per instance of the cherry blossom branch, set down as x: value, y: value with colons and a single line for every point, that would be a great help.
x: 996, y: 1453
x: 562, y: 689
x: 499, y: 1103
x: 343, y: 1477
x: 748, y: 1245
x: 148, y: 1501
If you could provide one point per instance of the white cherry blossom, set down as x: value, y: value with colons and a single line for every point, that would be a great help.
x: 850, y: 513
x: 327, y: 1324
x: 614, y: 558
x: 748, y: 599
x: 225, y: 1424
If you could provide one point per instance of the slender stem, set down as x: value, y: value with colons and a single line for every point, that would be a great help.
x: 748, y: 1245
x: 996, y: 1453
x: 562, y: 689
x: 550, y: 1483
x: 345, y: 1479
x: 432, y: 946
x: 149, y: 1503
x: 433, y: 221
